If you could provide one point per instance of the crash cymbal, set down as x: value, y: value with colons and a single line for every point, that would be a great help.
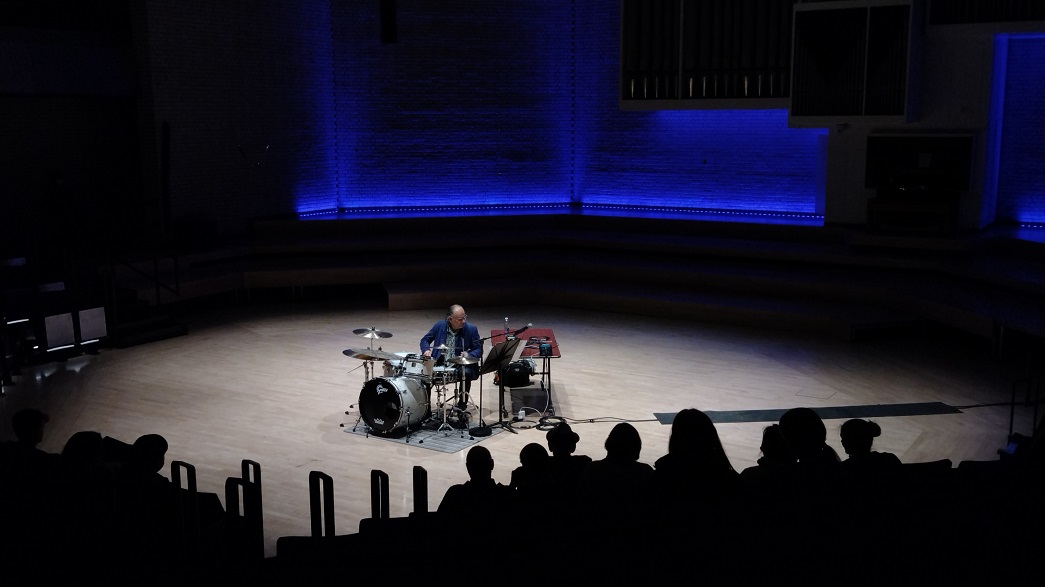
x: 463, y: 360
x: 369, y: 355
x: 372, y: 333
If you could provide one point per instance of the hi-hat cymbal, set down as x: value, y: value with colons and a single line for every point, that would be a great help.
x: 369, y: 355
x: 463, y: 360
x: 372, y: 333
x: 441, y: 347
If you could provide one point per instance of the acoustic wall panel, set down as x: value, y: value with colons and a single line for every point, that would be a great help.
x: 856, y: 58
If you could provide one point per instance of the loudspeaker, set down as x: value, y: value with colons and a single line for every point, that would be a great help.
x: 530, y: 399
x: 92, y: 324
x: 58, y: 330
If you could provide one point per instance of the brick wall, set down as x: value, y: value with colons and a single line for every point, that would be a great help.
x: 246, y: 90
x: 471, y: 105
x: 516, y: 102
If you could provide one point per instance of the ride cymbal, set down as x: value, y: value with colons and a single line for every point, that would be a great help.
x: 369, y: 355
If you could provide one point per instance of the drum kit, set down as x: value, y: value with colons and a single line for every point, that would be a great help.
x: 401, y: 398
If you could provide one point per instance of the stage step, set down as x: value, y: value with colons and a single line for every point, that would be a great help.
x: 146, y: 330
x: 831, y: 280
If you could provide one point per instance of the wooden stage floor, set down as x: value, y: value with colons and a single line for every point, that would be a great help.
x: 267, y: 381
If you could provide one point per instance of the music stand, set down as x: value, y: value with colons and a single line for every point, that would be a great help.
x: 500, y: 356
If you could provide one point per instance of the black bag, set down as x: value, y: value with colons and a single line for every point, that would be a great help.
x: 516, y: 374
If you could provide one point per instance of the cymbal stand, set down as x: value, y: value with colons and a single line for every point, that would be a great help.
x: 459, y: 386
x: 359, y: 414
x: 359, y: 418
x: 409, y: 431
x: 443, y: 405
x: 369, y: 371
x: 367, y: 366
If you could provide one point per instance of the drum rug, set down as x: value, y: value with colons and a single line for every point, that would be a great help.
x: 445, y: 440
x: 827, y: 413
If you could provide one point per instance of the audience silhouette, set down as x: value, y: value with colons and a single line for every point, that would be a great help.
x: 90, y: 491
x: 103, y: 510
x: 806, y: 436
x: 29, y: 493
x: 618, y: 483
x: 696, y: 471
x: 696, y: 488
x: 480, y: 498
x: 857, y: 438
x: 564, y: 466
x: 765, y: 476
x: 532, y: 480
x: 147, y: 506
x: 100, y: 511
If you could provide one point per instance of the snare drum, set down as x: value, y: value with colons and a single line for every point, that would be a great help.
x: 444, y: 375
x: 389, y: 403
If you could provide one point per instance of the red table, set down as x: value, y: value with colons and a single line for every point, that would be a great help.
x: 532, y: 339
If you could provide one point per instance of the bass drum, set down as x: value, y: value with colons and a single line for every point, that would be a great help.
x: 389, y: 403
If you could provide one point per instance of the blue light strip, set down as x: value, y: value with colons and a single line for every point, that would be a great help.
x: 763, y: 216
x: 678, y: 210
x: 706, y: 215
x: 444, y: 211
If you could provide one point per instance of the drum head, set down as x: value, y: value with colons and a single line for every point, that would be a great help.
x: 388, y: 403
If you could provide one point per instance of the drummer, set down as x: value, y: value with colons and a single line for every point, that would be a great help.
x: 463, y: 338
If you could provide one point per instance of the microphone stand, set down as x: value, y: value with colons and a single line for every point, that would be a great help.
x: 500, y: 356
x: 482, y: 429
